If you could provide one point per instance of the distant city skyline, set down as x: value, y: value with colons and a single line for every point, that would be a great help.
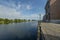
x: 22, y: 9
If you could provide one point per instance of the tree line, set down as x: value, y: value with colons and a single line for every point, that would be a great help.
x: 7, y: 21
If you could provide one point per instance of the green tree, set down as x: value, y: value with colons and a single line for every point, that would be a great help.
x: 6, y: 21
x: 1, y: 19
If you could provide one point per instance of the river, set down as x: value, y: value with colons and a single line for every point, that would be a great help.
x: 19, y: 31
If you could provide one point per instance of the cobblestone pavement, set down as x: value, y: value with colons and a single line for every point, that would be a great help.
x: 51, y: 31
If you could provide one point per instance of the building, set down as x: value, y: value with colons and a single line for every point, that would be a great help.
x: 52, y: 11
x: 44, y: 18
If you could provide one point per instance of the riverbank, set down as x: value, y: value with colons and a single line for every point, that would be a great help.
x: 40, y: 33
x: 51, y: 31
x: 7, y: 21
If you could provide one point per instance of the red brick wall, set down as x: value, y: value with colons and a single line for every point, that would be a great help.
x: 55, y: 9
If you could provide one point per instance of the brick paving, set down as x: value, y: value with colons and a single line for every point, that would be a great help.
x: 51, y: 31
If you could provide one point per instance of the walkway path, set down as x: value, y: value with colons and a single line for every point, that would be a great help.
x: 51, y: 31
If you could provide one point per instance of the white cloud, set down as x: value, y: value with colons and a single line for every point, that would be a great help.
x: 37, y: 16
x: 18, y: 7
x: 32, y: 16
x: 28, y: 7
x: 6, y: 12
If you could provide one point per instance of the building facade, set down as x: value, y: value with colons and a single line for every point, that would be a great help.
x: 52, y: 11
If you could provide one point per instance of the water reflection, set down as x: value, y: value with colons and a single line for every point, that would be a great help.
x: 18, y: 31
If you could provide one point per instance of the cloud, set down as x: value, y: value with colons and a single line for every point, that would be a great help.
x: 28, y: 7
x: 10, y: 10
x: 18, y: 7
x: 11, y: 3
x: 34, y: 16
x: 6, y: 12
x: 37, y: 16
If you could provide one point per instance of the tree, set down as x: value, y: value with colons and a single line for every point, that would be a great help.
x: 6, y: 21
x: 1, y: 19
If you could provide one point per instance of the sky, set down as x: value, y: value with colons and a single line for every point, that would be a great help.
x: 22, y: 9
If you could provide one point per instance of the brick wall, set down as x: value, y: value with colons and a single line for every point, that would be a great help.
x: 55, y: 10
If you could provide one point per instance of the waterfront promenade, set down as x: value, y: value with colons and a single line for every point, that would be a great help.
x: 51, y: 31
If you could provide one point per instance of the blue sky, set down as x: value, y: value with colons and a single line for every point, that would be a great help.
x: 22, y: 9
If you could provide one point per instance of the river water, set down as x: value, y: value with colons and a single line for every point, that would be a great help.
x: 19, y: 31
